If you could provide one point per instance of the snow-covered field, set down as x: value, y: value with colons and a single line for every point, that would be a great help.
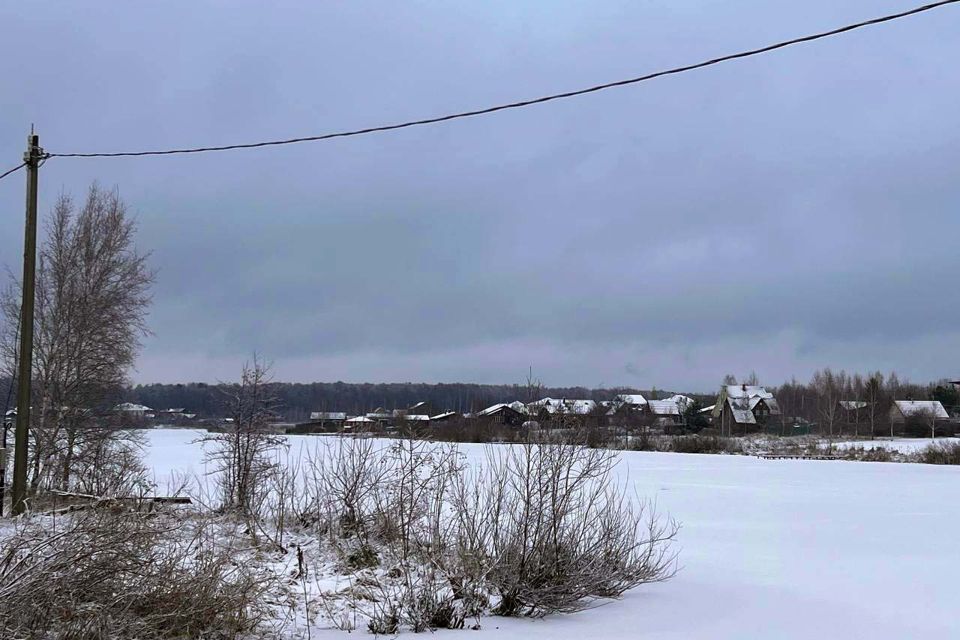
x: 903, y: 445
x: 771, y: 549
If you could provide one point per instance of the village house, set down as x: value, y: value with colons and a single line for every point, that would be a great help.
x: 558, y: 408
x: 502, y: 413
x: 178, y: 414
x: 134, y: 410
x: 358, y: 423
x: 381, y: 416
x: 851, y: 411
x: 744, y: 407
x: 633, y: 400
x: 670, y: 411
x: 328, y: 420
x: 421, y: 409
x: 903, y: 411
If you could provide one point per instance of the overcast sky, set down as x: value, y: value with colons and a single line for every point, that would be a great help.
x: 779, y: 214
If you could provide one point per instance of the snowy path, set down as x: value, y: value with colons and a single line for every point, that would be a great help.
x: 770, y: 549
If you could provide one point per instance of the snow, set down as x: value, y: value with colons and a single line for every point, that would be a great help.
x: 921, y: 408
x: 903, y: 445
x: 664, y: 407
x: 747, y: 391
x: 785, y: 549
x: 130, y: 406
x: 631, y: 398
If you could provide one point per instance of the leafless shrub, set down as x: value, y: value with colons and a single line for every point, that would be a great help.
x: 111, y: 466
x: 243, y: 455
x: 565, y: 535
x: 343, y: 480
x: 941, y: 453
x: 705, y: 444
x: 429, y: 542
x: 113, y: 573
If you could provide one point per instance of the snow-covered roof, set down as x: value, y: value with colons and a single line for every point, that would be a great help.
x: 416, y: 417
x: 443, y: 416
x: 707, y: 409
x: 494, y: 408
x: 564, y: 405
x: 130, y: 406
x: 921, y: 408
x: 631, y: 398
x: 360, y: 420
x: 328, y: 415
x: 580, y: 407
x: 745, y: 397
x: 747, y: 391
x: 853, y: 405
x: 741, y: 410
x: 664, y: 407
x: 516, y: 405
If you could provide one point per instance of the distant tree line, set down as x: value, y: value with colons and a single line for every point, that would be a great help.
x: 814, y: 401
x: 818, y: 401
x: 297, y: 400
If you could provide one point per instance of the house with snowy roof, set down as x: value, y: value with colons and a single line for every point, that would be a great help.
x: 134, y: 410
x: 630, y: 400
x: 554, y: 406
x: 670, y: 410
x: 502, y: 413
x: 904, y: 410
x: 328, y: 419
x: 568, y: 411
x: 744, y: 406
x: 446, y: 416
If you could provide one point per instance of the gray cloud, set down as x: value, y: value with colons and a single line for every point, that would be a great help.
x: 780, y: 214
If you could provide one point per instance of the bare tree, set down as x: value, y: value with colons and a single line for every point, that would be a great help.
x: 930, y: 417
x: 243, y: 453
x: 872, y: 395
x: 855, y: 391
x: 92, y: 296
x: 828, y: 386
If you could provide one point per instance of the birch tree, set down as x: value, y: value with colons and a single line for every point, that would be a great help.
x: 92, y: 297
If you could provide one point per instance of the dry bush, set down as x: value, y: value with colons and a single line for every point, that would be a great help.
x: 113, y: 573
x: 854, y: 452
x: 342, y: 482
x: 549, y: 531
x: 429, y: 542
x: 941, y: 453
x: 705, y: 444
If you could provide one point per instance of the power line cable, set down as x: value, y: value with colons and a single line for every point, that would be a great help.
x: 524, y: 103
x: 14, y: 170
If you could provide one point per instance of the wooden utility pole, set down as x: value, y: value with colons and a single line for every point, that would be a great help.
x: 31, y: 158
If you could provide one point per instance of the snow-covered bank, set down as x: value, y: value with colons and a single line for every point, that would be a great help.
x: 901, y: 445
x: 770, y: 549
